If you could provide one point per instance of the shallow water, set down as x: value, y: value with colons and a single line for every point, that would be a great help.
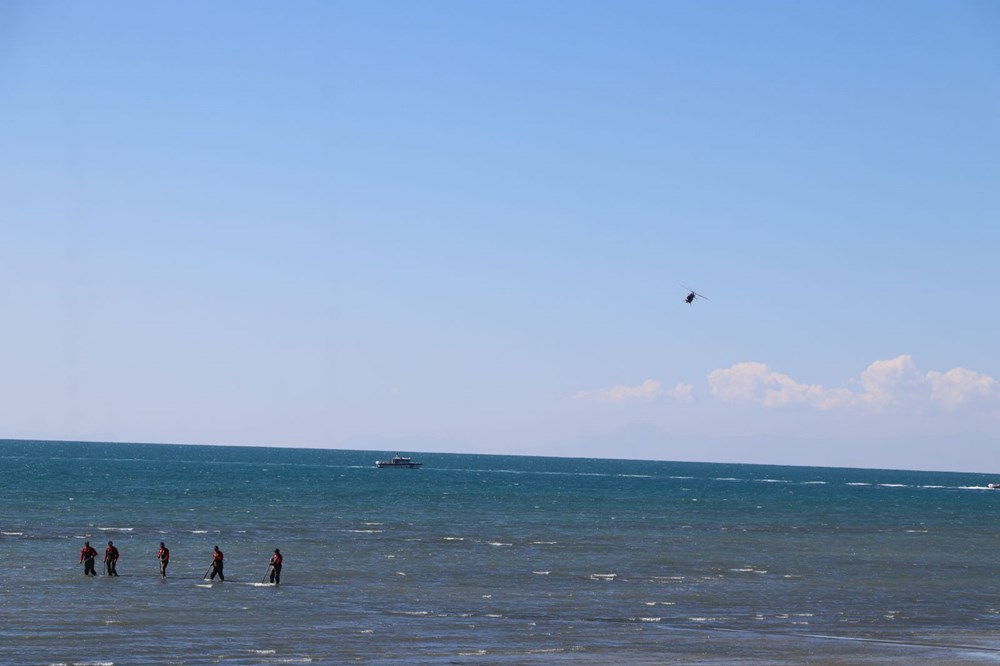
x: 490, y: 559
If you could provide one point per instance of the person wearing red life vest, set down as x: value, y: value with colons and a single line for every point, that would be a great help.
x: 276, y: 567
x: 87, y: 556
x: 217, y: 564
x: 163, y: 555
x: 110, y: 560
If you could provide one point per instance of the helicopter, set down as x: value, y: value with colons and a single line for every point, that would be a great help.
x: 692, y: 294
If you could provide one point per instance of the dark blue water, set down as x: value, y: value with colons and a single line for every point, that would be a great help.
x: 490, y: 559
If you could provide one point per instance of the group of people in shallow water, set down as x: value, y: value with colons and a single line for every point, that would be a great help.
x: 88, y: 555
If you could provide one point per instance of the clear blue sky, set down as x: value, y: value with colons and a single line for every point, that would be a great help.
x: 464, y: 226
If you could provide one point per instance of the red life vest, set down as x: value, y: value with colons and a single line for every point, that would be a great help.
x: 217, y: 556
x: 163, y: 554
x: 276, y: 560
x: 87, y: 552
x: 110, y: 553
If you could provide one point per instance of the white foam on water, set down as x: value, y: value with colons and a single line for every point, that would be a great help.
x: 115, y: 529
x: 545, y: 650
x: 541, y: 573
x: 607, y: 576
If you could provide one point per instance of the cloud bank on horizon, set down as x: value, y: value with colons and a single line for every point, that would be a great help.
x: 885, y: 385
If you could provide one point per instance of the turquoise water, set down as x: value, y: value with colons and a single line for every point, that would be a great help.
x: 490, y: 559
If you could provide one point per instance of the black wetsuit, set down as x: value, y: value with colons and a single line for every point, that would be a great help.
x: 111, y: 560
x: 276, y: 569
x: 87, y: 556
x: 217, y: 566
x: 164, y: 556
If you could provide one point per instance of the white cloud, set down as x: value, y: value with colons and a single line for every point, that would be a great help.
x: 958, y: 386
x: 682, y: 393
x: 647, y: 391
x: 756, y: 383
x: 889, y: 384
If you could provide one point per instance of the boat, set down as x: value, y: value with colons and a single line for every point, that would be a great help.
x: 398, y: 461
x: 993, y: 486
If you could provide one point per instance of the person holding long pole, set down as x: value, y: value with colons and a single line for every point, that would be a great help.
x: 87, y: 555
x: 216, y: 565
x: 276, y: 567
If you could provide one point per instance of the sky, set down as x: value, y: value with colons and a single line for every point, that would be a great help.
x: 453, y: 226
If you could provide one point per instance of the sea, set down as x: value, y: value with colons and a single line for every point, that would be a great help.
x: 488, y: 559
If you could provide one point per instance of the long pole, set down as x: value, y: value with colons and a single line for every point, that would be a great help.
x: 265, y: 572
x: 209, y: 569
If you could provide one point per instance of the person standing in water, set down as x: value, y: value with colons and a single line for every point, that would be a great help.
x: 217, y: 564
x: 110, y: 560
x: 163, y: 555
x: 87, y: 556
x: 276, y: 567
